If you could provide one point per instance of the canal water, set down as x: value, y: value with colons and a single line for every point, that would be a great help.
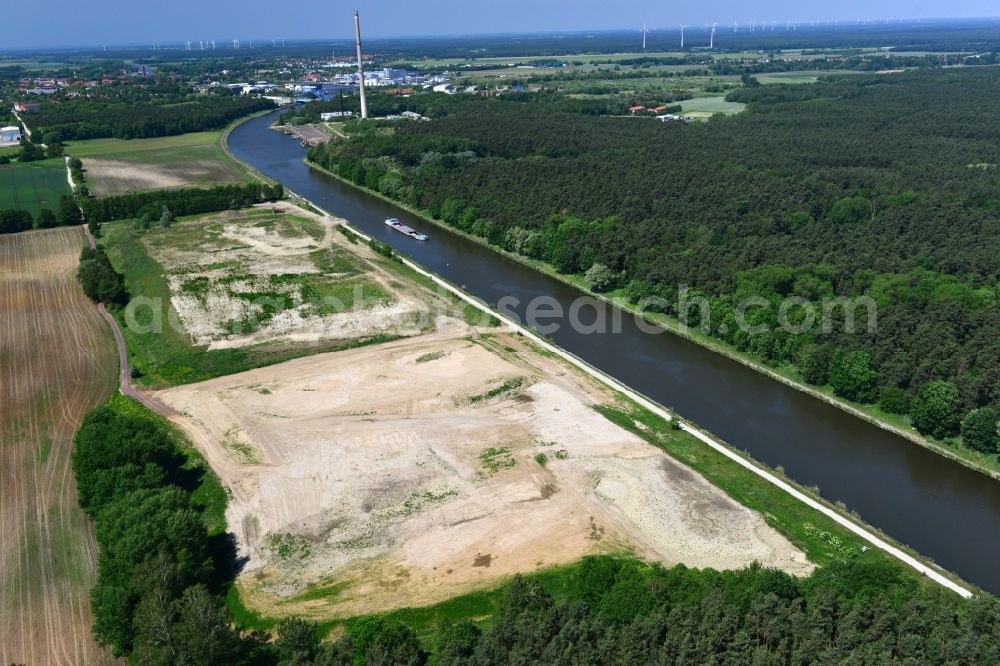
x: 942, y: 509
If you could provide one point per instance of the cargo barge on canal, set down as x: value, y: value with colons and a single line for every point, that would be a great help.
x: 403, y: 229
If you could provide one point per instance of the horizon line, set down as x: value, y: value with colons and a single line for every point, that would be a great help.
x: 179, y: 45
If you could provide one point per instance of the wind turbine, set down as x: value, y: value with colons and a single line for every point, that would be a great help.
x: 711, y: 43
x: 644, y: 31
x: 683, y: 27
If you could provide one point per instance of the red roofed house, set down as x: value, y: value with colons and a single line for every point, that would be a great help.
x: 636, y: 109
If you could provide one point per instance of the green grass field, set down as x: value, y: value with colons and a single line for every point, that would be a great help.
x: 33, y: 185
x: 118, y: 166
x: 710, y: 105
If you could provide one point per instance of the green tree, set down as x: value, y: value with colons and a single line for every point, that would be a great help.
x: 451, y: 210
x: 378, y: 641
x: 205, y: 630
x: 893, y: 400
x: 166, y: 217
x: 852, y: 376
x: 979, y: 430
x: 936, y: 409
x: 193, y: 629
x: 814, y: 362
x: 46, y: 219
x: 297, y: 641
x: 468, y: 218
x: 600, y: 277
x: 30, y: 152
x: 69, y: 212
x: 849, y: 210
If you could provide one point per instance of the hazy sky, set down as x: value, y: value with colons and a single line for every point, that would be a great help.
x: 76, y: 22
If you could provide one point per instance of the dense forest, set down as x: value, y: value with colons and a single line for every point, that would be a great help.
x: 126, y: 119
x: 163, y: 573
x: 877, y: 186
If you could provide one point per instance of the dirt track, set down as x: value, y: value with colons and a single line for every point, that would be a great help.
x: 56, y: 362
x: 125, y: 384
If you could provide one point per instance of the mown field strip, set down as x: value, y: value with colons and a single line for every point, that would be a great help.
x: 653, y: 407
x: 56, y: 362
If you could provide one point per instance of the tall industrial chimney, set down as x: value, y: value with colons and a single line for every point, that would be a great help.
x: 361, y: 66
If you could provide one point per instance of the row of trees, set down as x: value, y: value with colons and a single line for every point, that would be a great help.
x: 161, y: 577
x: 80, y: 119
x: 15, y: 220
x: 811, y: 194
x: 623, y: 612
x: 189, y: 201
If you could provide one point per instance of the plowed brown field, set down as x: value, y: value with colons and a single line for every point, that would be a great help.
x: 57, y: 361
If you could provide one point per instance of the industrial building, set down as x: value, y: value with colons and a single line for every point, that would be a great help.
x: 10, y: 134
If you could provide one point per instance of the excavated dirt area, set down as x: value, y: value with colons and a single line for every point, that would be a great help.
x: 406, y: 473
x: 279, y: 273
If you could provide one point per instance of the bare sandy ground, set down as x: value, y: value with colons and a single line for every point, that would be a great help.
x: 407, y: 473
x: 57, y: 361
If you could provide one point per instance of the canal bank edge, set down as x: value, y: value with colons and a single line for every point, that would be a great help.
x: 674, y: 327
x: 940, y: 576
x: 224, y: 145
x: 866, y: 532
